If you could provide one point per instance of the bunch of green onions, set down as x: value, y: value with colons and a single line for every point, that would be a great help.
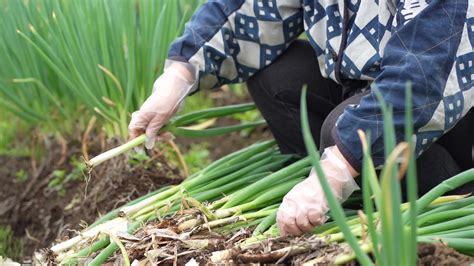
x: 185, y: 125
x: 434, y: 225
x: 245, y: 186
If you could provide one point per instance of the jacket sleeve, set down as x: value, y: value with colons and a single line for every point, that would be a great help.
x: 230, y: 40
x: 434, y: 50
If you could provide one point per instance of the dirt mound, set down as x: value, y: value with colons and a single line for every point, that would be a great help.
x: 440, y: 254
x: 51, y: 201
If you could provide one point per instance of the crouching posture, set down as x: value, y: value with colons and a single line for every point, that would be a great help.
x: 351, y: 47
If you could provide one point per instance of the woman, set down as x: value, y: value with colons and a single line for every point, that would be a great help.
x: 352, y: 46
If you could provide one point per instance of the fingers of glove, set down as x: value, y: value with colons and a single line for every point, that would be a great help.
x: 287, y: 225
x: 303, y: 222
x: 286, y: 217
x: 150, y: 142
x: 138, y: 123
x: 163, y: 137
x: 291, y: 229
x: 135, y: 132
x: 316, y: 216
x: 152, y: 129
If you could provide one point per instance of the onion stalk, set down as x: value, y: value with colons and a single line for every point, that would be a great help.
x: 208, y: 185
x: 179, y: 126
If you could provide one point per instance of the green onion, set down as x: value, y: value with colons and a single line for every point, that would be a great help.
x: 335, y: 208
x: 185, y: 132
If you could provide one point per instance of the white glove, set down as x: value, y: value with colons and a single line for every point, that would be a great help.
x: 305, y: 206
x: 169, y: 90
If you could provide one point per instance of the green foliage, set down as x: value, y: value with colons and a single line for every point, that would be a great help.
x: 240, y: 90
x: 63, y: 61
x: 392, y: 233
x: 197, y: 157
x: 335, y: 208
x: 248, y: 117
x: 10, y: 247
x: 386, y: 243
x: 198, y: 101
x: 10, y: 128
x: 139, y: 158
x: 61, y: 177
x: 21, y: 176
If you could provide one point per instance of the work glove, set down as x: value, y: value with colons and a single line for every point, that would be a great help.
x: 169, y: 90
x: 305, y: 206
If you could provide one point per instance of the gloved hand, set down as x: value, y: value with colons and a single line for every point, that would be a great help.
x: 305, y: 206
x: 169, y: 90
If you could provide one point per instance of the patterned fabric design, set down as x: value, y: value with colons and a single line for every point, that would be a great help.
x: 465, y: 71
x: 389, y: 42
x: 266, y: 10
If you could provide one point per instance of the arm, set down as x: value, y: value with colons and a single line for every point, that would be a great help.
x: 432, y: 50
x: 228, y: 41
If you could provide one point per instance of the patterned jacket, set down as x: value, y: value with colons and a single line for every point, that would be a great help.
x: 427, y: 42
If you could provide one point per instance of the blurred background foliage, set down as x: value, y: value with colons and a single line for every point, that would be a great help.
x: 64, y: 62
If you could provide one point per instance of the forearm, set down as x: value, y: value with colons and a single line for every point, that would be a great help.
x: 228, y: 41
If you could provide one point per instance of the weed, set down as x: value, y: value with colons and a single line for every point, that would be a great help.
x: 10, y: 247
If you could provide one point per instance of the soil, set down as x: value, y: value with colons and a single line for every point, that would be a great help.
x: 40, y: 214
x: 440, y: 254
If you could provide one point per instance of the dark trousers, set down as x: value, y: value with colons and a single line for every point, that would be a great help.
x: 276, y: 91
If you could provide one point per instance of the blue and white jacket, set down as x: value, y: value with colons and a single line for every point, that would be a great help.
x: 388, y: 42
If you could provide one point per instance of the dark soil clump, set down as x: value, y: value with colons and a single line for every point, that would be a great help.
x: 440, y: 254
